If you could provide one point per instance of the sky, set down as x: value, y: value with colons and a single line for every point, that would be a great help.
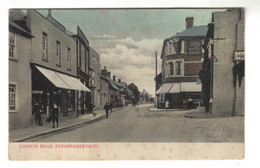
x: 127, y: 39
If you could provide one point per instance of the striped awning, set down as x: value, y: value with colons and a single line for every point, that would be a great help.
x: 60, y: 80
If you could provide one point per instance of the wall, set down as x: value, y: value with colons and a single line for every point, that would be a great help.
x: 223, y: 89
x: 20, y: 73
x: 95, y: 64
x: 104, y: 91
x: 39, y: 24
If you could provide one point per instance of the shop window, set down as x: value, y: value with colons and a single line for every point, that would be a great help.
x: 71, y: 100
x: 44, y: 46
x: 12, y: 98
x: 12, y: 45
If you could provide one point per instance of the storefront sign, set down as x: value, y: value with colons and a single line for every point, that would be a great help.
x: 239, y: 55
x: 194, y: 48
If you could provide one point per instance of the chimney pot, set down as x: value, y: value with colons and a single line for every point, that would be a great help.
x: 114, y: 78
x: 49, y: 12
x: 189, y: 22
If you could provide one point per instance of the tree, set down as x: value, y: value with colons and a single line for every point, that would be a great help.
x: 135, y: 90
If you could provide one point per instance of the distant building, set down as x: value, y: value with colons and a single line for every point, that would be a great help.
x: 104, y: 85
x: 94, y: 60
x: 226, y: 56
x: 182, y: 56
x: 82, y: 50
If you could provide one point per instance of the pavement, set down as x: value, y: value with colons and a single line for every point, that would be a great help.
x: 199, y: 112
x: 28, y: 133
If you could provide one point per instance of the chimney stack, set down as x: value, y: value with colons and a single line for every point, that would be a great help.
x: 49, y: 12
x: 189, y: 22
x: 119, y: 80
x: 114, y: 78
x: 105, y: 67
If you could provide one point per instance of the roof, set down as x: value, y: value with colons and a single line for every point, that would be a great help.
x: 194, y: 31
x: 113, y: 85
x: 14, y: 25
x: 17, y: 15
x: 102, y: 76
x: 121, y: 84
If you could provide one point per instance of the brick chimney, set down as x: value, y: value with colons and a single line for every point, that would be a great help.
x: 114, y: 78
x: 49, y: 12
x: 119, y: 80
x: 189, y: 22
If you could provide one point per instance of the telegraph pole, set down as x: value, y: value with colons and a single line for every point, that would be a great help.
x: 156, y: 83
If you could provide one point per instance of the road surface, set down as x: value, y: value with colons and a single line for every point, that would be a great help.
x: 140, y: 125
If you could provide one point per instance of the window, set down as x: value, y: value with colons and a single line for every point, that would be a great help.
x: 71, y: 100
x: 184, y: 47
x: 80, y: 56
x: 58, y: 54
x: 44, y: 46
x: 171, y: 68
x: 11, y: 45
x: 178, y: 67
x: 12, y: 98
x: 69, y: 58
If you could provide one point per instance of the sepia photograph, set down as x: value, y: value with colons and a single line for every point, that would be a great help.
x: 103, y: 81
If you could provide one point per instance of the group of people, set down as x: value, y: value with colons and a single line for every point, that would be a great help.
x: 54, y: 115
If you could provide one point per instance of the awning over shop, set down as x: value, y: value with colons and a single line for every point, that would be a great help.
x: 179, y: 87
x: 164, y: 89
x: 190, y: 87
x: 176, y: 88
x: 62, y: 81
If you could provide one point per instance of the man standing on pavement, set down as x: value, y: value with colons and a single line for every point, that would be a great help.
x: 107, y: 107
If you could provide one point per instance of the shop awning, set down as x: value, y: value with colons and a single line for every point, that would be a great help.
x: 176, y: 88
x: 164, y: 89
x: 190, y: 87
x: 179, y: 87
x: 62, y: 81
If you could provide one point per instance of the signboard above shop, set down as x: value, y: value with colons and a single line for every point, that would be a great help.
x: 194, y: 48
x: 239, y: 55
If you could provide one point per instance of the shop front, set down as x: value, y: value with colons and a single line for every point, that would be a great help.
x: 50, y: 87
x: 178, y: 94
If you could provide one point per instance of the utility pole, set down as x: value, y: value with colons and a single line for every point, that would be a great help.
x: 156, y: 83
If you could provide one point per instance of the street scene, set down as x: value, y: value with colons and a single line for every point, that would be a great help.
x: 126, y: 75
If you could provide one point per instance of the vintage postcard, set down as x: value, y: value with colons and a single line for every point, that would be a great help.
x: 126, y: 83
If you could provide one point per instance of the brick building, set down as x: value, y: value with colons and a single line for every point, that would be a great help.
x: 182, y: 56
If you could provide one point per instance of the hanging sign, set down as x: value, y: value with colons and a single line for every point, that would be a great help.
x: 239, y: 55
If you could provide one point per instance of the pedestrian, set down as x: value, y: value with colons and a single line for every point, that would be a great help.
x: 190, y: 102
x: 166, y: 104
x: 90, y: 108
x: 55, y: 115
x: 111, y: 106
x: 38, y: 115
x: 107, y: 107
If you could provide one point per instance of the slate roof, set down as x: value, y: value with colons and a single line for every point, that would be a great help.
x: 113, y: 85
x: 194, y: 31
